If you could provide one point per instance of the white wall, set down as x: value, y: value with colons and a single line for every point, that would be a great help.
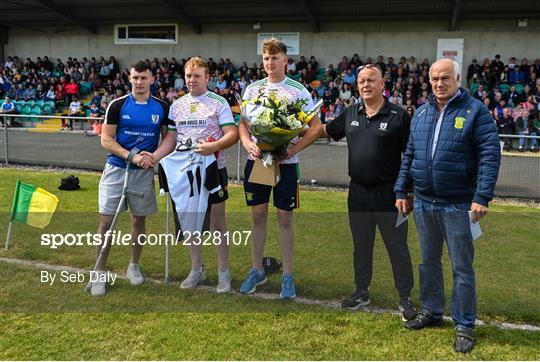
x: 238, y: 42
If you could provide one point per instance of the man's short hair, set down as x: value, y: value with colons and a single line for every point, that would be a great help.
x: 140, y: 66
x: 197, y: 62
x: 274, y: 46
x: 455, y: 66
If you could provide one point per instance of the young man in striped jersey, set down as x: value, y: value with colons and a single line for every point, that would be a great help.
x: 204, y: 121
x: 286, y: 191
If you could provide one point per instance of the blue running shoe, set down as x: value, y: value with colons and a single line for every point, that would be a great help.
x: 288, y: 291
x: 255, y: 278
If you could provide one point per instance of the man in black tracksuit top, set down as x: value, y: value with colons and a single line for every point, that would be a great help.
x: 377, y: 133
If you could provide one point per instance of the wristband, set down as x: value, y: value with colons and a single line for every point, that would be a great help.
x: 132, y: 153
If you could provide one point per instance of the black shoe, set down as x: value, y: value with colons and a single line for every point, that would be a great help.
x: 407, y: 309
x: 356, y: 300
x: 423, y: 319
x: 464, y: 339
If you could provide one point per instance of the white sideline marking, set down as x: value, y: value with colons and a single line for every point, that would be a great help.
x: 328, y: 304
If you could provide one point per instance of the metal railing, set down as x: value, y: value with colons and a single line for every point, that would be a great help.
x: 323, y: 163
x: 8, y: 117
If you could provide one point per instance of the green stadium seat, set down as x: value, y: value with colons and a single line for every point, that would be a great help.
x: 519, y: 87
x: 40, y: 103
x: 295, y: 76
x: 37, y: 110
x: 20, y: 104
x: 504, y: 88
x: 85, y: 88
x: 30, y: 103
x: 47, y: 110
x: 26, y: 109
x: 474, y: 87
x: 51, y: 104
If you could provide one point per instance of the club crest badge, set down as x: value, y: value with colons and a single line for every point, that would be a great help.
x: 155, y: 118
x: 458, y: 122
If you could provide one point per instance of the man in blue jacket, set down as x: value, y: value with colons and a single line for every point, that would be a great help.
x: 452, y: 159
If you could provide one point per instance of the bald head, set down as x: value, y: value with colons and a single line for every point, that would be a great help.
x: 372, y: 69
x: 444, y: 78
x: 370, y: 85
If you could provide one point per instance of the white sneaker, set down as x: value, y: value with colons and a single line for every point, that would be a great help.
x: 193, y: 279
x: 134, y: 274
x: 224, y: 281
x: 98, y: 288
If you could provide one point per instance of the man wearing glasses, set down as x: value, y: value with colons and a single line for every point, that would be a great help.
x: 377, y: 133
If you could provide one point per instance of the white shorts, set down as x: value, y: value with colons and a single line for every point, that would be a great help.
x: 110, y: 191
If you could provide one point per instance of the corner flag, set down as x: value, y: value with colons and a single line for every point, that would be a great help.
x: 31, y: 205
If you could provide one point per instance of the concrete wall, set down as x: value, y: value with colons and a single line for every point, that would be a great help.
x: 238, y: 42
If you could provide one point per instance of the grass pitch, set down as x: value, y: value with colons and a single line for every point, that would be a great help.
x: 162, y: 322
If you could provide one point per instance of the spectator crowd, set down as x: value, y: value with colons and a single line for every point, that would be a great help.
x: 511, y: 91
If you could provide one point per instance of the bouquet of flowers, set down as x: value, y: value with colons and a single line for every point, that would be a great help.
x: 274, y: 121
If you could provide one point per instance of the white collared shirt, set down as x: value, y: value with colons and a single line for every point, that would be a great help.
x: 439, y: 123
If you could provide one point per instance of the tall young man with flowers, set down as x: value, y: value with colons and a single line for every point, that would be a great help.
x: 285, y: 192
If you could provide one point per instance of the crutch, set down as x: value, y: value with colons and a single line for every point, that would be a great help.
x: 123, y: 199
x: 164, y: 191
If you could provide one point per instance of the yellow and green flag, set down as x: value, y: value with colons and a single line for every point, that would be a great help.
x: 33, y: 205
